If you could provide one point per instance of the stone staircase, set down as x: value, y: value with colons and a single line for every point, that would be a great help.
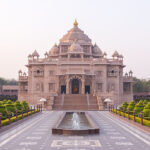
x: 75, y: 102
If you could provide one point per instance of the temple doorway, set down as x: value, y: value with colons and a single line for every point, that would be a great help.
x: 63, y: 89
x: 87, y: 89
x: 75, y: 86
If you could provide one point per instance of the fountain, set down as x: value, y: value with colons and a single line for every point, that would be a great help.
x: 75, y: 123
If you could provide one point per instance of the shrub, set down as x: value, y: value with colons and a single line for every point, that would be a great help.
x: 3, y: 110
x: 25, y: 105
x: 146, y: 110
x: 146, y: 123
x: 10, y: 106
x: 145, y: 102
x: 124, y: 106
x: 4, y: 101
x: 13, y: 119
x: 131, y: 105
x: 18, y: 106
x: 139, y: 107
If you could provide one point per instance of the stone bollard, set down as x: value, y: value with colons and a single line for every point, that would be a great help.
x: 9, y: 117
x: 37, y: 108
x: 124, y: 113
x: 22, y: 114
x: 134, y: 116
x: 16, y: 115
x: 0, y: 120
x: 27, y: 113
x: 116, y: 110
x: 128, y: 114
x: 142, y: 118
x: 119, y: 112
x: 31, y: 110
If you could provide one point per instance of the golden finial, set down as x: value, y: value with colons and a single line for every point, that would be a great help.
x: 75, y: 23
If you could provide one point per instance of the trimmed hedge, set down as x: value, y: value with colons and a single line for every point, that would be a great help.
x: 131, y: 117
x: 13, y: 119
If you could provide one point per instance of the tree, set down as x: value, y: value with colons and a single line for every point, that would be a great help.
x: 25, y: 105
x: 140, y: 85
x: 4, y: 101
x: 146, y: 110
x: 145, y: 102
x: 124, y: 106
x: 139, y: 107
x: 3, y: 110
x: 131, y: 105
x: 18, y: 106
x: 10, y: 106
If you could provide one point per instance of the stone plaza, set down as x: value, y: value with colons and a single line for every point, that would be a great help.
x: 36, y: 134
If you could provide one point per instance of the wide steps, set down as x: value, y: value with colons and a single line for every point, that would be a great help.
x: 75, y: 102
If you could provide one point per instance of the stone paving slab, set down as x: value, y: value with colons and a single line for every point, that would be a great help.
x: 114, y: 135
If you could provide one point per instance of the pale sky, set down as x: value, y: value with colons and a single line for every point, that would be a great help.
x: 122, y: 25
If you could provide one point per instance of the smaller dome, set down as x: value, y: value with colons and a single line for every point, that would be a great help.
x: 46, y: 54
x: 96, y: 50
x: 35, y: 53
x: 54, y: 50
x: 120, y: 56
x: 115, y: 54
x: 20, y: 71
x: 75, y: 47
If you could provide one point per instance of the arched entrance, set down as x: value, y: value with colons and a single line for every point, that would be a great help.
x: 75, y: 86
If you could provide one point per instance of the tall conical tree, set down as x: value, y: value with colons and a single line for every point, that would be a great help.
x: 139, y: 107
x: 131, y: 105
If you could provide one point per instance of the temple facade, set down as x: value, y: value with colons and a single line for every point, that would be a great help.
x: 75, y: 74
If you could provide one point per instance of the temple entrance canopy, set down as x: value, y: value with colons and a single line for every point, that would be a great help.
x: 75, y: 86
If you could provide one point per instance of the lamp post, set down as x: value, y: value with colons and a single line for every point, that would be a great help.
x: 134, y: 115
x: 9, y: 113
x: 128, y: 114
x: 142, y: 118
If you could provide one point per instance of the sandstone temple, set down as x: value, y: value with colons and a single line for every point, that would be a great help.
x: 75, y: 75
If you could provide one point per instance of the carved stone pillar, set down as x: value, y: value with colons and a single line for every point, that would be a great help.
x: 93, y: 89
x: 83, y: 85
x: 82, y: 56
x: 67, y: 84
x: 57, y: 84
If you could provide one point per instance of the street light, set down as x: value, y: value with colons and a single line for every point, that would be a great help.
x: 108, y: 101
x: 43, y: 100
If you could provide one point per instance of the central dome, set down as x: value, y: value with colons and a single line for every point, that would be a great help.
x: 75, y: 34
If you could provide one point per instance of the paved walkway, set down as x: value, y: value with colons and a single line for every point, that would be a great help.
x: 35, y: 134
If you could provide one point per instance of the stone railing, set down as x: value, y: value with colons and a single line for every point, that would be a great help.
x: 23, y: 78
x: 127, y: 79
